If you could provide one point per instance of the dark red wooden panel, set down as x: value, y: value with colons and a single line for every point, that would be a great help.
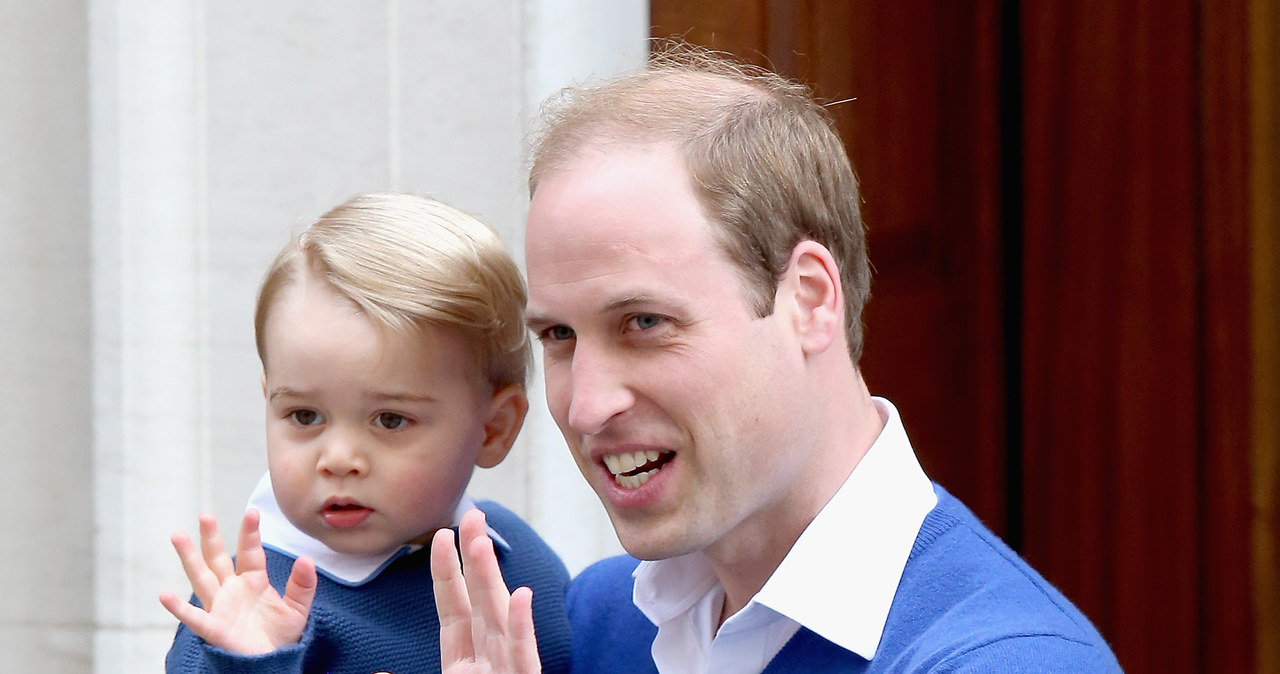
x: 1112, y: 386
x: 1226, y: 144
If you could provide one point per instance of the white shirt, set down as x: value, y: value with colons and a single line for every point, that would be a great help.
x: 838, y: 580
x: 279, y: 534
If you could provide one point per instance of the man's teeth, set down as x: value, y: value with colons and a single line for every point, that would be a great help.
x: 633, y: 481
x: 620, y: 464
x: 624, y: 463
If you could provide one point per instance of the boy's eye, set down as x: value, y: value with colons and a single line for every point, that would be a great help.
x: 305, y: 417
x: 390, y: 420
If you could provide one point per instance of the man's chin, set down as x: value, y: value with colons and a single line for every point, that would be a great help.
x: 649, y: 542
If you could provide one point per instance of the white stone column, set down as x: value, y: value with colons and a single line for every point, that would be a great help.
x: 46, y: 550
x: 150, y: 289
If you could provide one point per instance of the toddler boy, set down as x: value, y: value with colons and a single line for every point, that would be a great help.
x: 394, y: 355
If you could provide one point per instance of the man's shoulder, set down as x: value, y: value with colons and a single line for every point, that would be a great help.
x: 965, y: 596
x: 609, y: 575
x: 609, y: 632
x: 962, y: 563
x: 600, y: 596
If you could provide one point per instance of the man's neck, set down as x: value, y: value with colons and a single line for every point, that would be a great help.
x: 745, y: 558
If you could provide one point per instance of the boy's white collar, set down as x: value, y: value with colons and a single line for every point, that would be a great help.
x: 279, y: 534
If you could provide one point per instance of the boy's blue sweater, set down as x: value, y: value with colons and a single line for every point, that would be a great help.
x: 966, y: 603
x: 390, y: 623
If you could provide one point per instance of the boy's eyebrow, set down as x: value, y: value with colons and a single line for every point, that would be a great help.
x: 285, y: 391
x: 405, y: 397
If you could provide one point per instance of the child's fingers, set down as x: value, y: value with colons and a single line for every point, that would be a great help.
x: 204, y: 583
x: 249, y: 553
x: 452, y: 604
x: 215, y: 553
x: 196, y: 620
x: 524, y: 644
x: 490, y: 598
x: 300, y: 589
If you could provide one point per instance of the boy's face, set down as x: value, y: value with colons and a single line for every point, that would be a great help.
x: 371, y: 435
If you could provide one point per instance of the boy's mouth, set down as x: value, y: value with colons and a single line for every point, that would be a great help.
x: 344, y: 513
x: 632, y: 469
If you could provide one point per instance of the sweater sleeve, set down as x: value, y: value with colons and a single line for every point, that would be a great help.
x: 190, y: 653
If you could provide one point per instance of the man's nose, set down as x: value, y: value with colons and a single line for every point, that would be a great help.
x: 599, y: 389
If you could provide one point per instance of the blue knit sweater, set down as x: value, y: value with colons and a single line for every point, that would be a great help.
x: 390, y: 623
x: 966, y: 603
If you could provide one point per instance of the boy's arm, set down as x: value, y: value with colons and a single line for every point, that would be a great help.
x: 242, y: 613
x: 483, y: 628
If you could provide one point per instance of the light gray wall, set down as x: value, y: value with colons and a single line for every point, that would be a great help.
x: 46, y: 402
x: 153, y: 157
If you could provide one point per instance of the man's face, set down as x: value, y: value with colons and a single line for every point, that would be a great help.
x: 676, y: 399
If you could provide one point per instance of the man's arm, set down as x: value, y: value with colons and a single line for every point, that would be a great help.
x: 483, y: 628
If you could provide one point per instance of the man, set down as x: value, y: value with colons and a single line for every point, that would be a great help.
x: 697, y: 272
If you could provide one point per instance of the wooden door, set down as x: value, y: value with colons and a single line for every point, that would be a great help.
x: 1075, y: 251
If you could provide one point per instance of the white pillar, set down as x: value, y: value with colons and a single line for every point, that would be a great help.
x: 150, y: 346
x: 46, y: 550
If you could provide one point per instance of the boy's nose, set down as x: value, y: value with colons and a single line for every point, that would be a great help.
x: 341, y: 456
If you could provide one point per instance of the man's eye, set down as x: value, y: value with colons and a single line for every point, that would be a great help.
x: 645, y: 321
x: 305, y: 417
x: 558, y: 333
x: 390, y: 420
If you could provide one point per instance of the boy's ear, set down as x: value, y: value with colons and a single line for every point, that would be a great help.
x: 814, y: 296
x: 264, y: 384
x: 503, y: 421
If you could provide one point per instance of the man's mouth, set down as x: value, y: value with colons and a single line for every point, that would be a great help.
x: 632, y: 469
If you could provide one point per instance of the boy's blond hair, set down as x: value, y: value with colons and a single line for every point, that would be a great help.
x: 410, y: 262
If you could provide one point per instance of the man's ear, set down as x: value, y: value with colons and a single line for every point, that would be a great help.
x: 816, y: 298
x: 264, y: 384
x: 503, y: 420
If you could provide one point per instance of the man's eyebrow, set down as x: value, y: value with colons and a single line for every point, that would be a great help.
x: 629, y: 301
x: 538, y: 321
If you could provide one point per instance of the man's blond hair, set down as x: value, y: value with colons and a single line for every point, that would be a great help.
x: 765, y: 159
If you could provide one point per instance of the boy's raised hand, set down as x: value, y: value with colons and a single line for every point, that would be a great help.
x: 242, y: 613
x: 484, y: 629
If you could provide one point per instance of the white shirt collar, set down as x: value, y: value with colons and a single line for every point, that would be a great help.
x: 839, y: 578
x: 857, y: 546
x: 281, y: 535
